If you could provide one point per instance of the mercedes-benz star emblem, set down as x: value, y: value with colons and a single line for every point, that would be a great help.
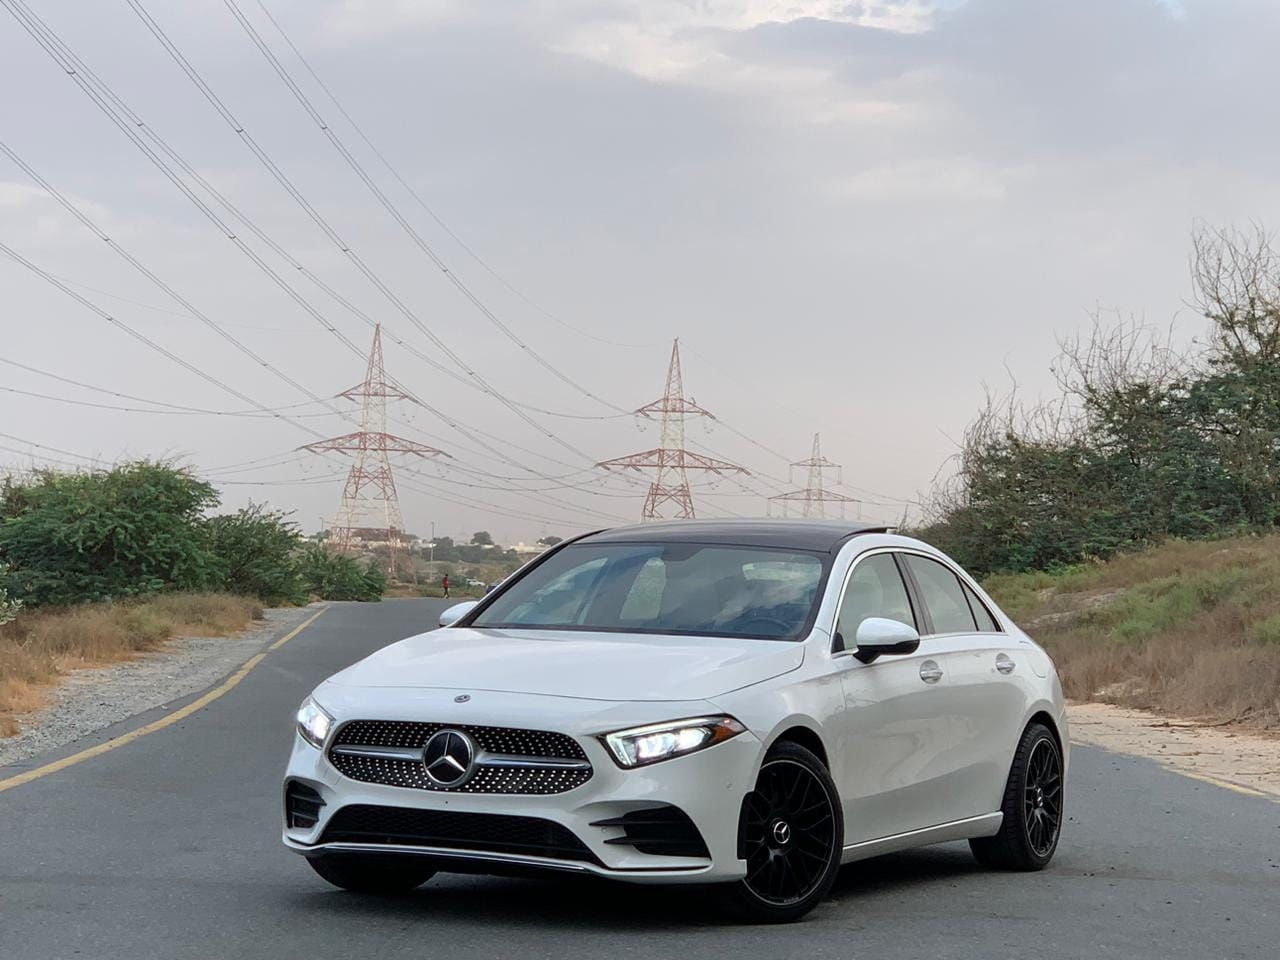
x: 782, y: 833
x: 449, y: 757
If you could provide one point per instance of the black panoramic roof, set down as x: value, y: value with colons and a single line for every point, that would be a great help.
x: 823, y: 535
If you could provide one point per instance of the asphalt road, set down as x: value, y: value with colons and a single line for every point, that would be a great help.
x: 169, y: 848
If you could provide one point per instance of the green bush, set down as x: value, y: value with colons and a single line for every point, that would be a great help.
x: 255, y: 554
x: 332, y: 576
x: 131, y: 530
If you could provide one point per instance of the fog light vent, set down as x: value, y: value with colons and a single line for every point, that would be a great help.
x: 301, y: 805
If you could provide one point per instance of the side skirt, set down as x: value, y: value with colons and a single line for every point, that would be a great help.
x: 986, y: 825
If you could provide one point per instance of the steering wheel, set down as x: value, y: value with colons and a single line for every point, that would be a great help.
x: 782, y: 628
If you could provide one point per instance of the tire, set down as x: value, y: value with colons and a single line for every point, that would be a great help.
x: 372, y: 874
x: 1032, y: 807
x: 792, y: 831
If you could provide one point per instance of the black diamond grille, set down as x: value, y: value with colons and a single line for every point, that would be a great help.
x: 478, y: 832
x: 533, y: 745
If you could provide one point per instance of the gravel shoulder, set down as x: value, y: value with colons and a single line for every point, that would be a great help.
x: 91, y: 699
x: 1246, y: 760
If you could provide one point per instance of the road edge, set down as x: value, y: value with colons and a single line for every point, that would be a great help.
x: 202, y: 701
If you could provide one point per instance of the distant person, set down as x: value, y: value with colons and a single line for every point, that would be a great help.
x: 444, y: 582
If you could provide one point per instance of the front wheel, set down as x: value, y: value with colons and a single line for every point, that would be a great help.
x: 1032, y: 807
x: 791, y: 836
x: 371, y: 874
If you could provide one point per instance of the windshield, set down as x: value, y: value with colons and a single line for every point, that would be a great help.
x: 676, y: 588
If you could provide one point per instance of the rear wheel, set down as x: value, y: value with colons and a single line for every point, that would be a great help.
x: 792, y: 834
x: 1032, y: 807
x: 371, y: 874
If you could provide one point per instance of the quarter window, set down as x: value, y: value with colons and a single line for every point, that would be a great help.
x: 942, y: 595
x: 875, y: 589
x: 986, y: 622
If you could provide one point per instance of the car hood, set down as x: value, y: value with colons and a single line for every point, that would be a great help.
x: 592, y: 666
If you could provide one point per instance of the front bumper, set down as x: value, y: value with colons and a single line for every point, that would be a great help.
x: 708, y: 786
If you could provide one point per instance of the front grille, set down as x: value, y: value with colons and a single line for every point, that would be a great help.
x: 661, y: 831
x: 301, y: 805
x: 476, y: 832
x: 520, y: 752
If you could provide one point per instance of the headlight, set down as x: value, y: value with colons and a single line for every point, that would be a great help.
x: 313, y: 722
x: 662, y: 741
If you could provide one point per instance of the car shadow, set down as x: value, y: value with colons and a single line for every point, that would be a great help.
x: 605, y: 905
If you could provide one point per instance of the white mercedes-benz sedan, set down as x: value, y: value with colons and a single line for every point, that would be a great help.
x: 744, y: 704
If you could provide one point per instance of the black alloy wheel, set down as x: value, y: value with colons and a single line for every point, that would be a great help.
x: 791, y: 836
x: 1032, y: 807
x: 1042, y: 798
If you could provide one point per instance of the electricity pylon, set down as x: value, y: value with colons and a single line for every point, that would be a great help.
x: 370, y: 505
x: 672, y: 461
x: 814, y: 497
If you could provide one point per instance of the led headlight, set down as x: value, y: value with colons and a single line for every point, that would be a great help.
x: 313, y: 722
x: 662, y: 741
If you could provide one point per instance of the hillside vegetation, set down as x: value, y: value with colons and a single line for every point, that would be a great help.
x: 1147, y: 439
x: 1185, y: 628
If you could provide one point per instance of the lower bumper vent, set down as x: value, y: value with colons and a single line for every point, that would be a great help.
x: 301, y: 805
x: 478, y: 832
x: 659, y: 831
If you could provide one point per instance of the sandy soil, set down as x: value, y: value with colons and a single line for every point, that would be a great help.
x: 1246, y: 761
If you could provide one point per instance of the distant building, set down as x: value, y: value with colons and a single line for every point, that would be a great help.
x: 523, y: 549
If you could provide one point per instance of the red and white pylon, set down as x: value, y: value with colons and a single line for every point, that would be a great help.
x: 672, y: 461
x: 370, y: 506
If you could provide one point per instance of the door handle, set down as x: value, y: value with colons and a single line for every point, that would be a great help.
x: 1005, y: 663
x: 930, y: 672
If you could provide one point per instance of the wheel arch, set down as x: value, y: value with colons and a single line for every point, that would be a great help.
x: 805, y: 736
x: 1046, y: 718
x: 1055, y: 718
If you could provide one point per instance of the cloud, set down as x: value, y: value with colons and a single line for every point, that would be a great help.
x: 928, y: 180
x: 361, y: 20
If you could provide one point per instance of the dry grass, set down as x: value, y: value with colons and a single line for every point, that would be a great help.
x: 42, y: 645
x: 1188, y: 629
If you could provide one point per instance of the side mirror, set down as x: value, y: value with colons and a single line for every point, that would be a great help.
x: 880, y: 636
x: 452, y: 615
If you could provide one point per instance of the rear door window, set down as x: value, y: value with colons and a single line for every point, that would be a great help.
x: 942, y: 595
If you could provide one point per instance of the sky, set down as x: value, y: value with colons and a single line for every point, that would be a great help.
x: 857, y: 218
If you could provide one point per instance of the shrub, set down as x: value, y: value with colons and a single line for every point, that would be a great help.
x: 331, y: 576
x: 254, y: 553
x: 131, y: 530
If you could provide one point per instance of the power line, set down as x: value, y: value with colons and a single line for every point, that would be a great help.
x: 488, y: 268
x: 97, y: 90
x: 142, y: 268
x: 142, y: 338
x: 328, y: 230
x: 168, y: 408
x: 383, y: 199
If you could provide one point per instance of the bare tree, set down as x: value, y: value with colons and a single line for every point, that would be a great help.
x: 1236, y: 275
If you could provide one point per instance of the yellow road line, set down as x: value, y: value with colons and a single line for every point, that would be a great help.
x: 1190, y: 774
x: 1229, y: 785
x: 181, y: 714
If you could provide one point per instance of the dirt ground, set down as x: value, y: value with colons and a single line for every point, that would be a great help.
x: 1245, y: 761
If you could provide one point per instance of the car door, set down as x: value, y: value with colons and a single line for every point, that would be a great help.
x: 984, y: 697
x: 893, y: 733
